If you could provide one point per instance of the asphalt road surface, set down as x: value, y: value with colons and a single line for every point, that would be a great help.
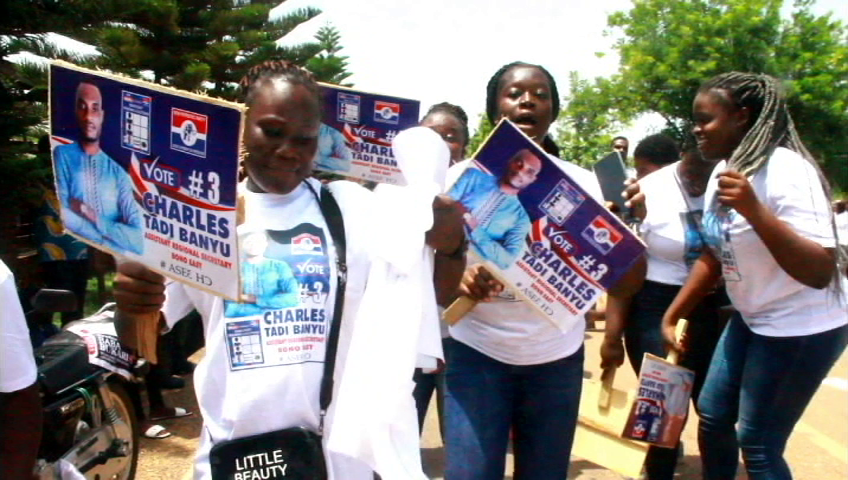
x: 818, y: 449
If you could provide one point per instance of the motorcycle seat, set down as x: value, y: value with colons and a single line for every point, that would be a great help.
x: 62, y: 362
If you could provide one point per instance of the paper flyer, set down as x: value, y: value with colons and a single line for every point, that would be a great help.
x: 104, y: 349
x: 356, y: 134
x: 148, y: 173
x: 541, y: 233
x: 659, y: 410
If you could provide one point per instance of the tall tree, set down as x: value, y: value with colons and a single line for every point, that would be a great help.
x: 327, y: 65
x: 201, y: 45
x: 669, y: 47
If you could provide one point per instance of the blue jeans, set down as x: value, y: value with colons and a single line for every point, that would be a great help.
x: 764, y: 383
x: 643, y: 335
x: 484, y: 398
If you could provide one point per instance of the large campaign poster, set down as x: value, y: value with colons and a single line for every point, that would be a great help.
x: 554, y: 245
x: 356, y: 135
x: 659, y: 410
x: 148, y: 173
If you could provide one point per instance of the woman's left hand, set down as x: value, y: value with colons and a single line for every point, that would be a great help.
x: 734, y: 190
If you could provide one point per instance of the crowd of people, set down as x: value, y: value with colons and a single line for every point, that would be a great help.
x: 741, y: 241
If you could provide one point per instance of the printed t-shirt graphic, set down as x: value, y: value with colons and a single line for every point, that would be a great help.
x: 285, y: 286
x: 717, y: 223
x: 693, y: 244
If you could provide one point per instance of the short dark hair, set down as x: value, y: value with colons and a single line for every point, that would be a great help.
x: 454, y: 110
x: 619, y: 138
x: 658, y: 149
x: 494, y: 86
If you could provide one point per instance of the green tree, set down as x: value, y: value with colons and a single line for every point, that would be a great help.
x: 204, y: 46
x: 484, y: 128
x: 328, y: 66
x: 669, y: 47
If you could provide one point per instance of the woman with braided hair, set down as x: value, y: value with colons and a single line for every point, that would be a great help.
x: 263, y: 376
x: 770, y: 230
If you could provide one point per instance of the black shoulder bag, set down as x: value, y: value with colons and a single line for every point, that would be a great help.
x: 292, y: 453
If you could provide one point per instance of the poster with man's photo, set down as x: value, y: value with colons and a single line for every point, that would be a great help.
x: 555, y: 246
x: 286, y: 282
x: 148, y: 173
x: 356, y: 134
x: 659, y: 410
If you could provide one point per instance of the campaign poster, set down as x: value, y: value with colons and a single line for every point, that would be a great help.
x: 101, y: 342
x: 282, y: 317
x: 148, y: 173
x: 356, y: 134
x: 659, y: 410
x: 554, y: 245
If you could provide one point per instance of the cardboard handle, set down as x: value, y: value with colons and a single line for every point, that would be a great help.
x: 605, y: 393
x: 682, y: 325
x: 144, y: 331
x: 458, y: 309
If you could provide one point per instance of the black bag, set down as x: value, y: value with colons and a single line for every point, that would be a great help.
x: 292, y: 453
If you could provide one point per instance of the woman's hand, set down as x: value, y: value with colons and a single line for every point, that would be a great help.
x: 478, y: 284
x: 447, y: 234
x: 612, y: 353
x: 734, y: 190
x: 669, y: 333
x: 634, y: 199
x: 138, y: 289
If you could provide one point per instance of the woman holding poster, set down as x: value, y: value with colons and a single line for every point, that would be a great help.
x: 266, y: 382
x: 771, y: 237
x: 507, y: 367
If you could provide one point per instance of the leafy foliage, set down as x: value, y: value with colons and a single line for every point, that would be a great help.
x: 669, y: 47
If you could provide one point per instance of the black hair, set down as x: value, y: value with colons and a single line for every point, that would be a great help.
x: 494, y: 86
x: 454, y: 110
x: 657, y: 149
x: 771, y: 126
x: 271, y: 69
x: 619, y: 138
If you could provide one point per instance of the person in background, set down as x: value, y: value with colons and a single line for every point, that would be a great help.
x: 622, y: 146
x: 451, y: 122
x: 20, y: 402
x: 674, y: 194
x: 770, y: 230
x: 507, y: 368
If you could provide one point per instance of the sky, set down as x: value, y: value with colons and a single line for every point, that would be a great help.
x: 446, y: 50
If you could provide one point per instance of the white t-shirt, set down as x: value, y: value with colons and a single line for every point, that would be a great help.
x: 670, y: 230
x: 264, y: 361
x: 507, y: 329
x: 17, y: 362
x: 770, y: 301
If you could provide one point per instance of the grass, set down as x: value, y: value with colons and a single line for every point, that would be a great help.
x: 93, y: 300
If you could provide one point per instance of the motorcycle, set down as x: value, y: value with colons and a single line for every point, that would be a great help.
x: 89, y: 397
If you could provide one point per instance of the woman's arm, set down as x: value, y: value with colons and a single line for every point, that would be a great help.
x: 803, y: 259
x: 702, y: 279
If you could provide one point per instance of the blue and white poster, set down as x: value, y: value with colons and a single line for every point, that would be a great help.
x: 148, y: 173
x: 356, y: 135
x: 537, y: 230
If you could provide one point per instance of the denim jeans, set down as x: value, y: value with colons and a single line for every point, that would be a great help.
x: 486, y: 398
x: 642, y: 335
x: 764, y: 384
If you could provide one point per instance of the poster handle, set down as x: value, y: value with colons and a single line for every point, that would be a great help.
x: 605, y: 393
x: 458, y: 309
x: 682, y: 325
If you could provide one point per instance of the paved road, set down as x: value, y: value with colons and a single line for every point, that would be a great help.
x: 818, y: 449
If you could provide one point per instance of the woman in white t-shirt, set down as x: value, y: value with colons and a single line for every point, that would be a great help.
x: 263, y: 367
x: 770, y: 230
x: 507, y: 367
x: 674, y: 197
